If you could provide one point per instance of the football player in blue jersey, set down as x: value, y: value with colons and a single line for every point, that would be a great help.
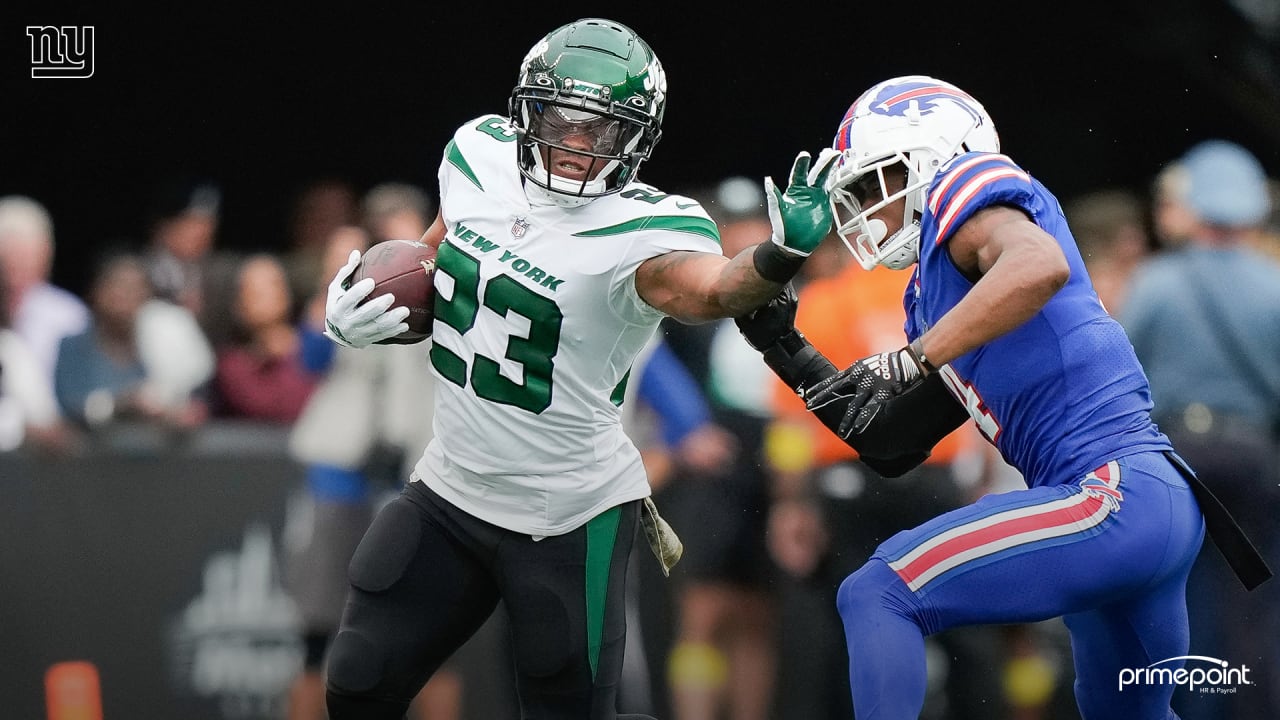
x: 1003, y: 327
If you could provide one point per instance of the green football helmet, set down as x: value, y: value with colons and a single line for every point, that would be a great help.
x: 588, y: 110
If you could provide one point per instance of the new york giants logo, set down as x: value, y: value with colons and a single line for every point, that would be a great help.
x: 65, y: 52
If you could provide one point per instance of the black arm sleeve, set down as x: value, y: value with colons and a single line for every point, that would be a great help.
x: 902, y: 434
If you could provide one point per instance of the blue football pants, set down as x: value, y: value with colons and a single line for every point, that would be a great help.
x: 1109, y: 553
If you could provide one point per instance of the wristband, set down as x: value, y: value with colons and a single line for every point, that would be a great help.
x: 775, y: 264
x: 917, y: 352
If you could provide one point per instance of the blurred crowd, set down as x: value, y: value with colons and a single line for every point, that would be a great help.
x: 175, y: 331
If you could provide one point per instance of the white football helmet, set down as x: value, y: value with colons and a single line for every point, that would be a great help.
x: 915, y: 122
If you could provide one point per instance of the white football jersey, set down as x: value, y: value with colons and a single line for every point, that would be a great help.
x: 537, y: 324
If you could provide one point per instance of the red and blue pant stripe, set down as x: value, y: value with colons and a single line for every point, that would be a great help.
x: 1109, y: 553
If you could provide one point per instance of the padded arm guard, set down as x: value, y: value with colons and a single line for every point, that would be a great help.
x: 900, y: 437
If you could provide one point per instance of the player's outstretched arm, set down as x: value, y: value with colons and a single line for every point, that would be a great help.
x: 696, y: 287
x: 894, y: 440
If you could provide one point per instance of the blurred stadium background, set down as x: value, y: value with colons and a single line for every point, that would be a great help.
x: 266, y: 97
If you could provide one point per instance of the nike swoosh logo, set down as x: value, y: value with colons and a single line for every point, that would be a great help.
x: 685, y: 207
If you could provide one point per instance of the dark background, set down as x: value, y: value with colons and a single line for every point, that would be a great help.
x: 265, y: 97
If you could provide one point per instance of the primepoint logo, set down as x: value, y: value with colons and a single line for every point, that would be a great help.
x: 1218, y: 678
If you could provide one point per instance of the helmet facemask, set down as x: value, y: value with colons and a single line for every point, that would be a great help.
x: 603, y: 146
x: 859, y: 196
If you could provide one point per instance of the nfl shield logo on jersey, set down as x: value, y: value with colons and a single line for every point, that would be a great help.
x: 519, y: 227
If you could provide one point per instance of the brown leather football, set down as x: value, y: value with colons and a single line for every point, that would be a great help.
x: 406, y: 269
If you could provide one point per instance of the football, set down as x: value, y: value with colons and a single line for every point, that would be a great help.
x: 406, y: 269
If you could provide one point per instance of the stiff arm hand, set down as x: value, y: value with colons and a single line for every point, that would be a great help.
x: 801, y: 217
x: 349, y: 322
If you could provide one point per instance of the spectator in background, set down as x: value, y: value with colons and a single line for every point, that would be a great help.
x: 395, y: 211
x: 1111, y: 231
x: 1268, y: 241
x: 681, y: 432
x: 668, y: 416
x: 28, y: 408
x: 260, y: 373
x: 1172, y: 219
x: 41, y: 313
x: 722, y: 662
x: 182, y: 261
x: 101, y: 373
x: 332, y: 438
x: 399, y: 211
x: 179, y: 360
x: 1204, y: 319
x: 319, y: 208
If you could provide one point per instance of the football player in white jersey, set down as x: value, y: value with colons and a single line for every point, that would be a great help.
x: 555, y: 266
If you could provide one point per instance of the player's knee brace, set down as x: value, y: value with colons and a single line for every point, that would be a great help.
x: 697, y: 666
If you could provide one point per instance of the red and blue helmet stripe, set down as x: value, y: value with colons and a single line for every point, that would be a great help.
x: 893, y: 99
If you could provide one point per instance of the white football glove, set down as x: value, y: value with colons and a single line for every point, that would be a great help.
x: 349, y: 323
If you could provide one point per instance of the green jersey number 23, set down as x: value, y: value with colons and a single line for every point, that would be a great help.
x: 501, y: 294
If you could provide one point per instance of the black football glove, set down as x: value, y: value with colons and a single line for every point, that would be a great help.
x: 768, y: 323
x: 870, y: 383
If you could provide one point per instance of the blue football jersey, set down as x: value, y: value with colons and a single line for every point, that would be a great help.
x: 1064, y: 392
